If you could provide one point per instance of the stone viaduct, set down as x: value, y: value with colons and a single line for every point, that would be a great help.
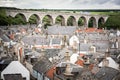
x: 54, y: 14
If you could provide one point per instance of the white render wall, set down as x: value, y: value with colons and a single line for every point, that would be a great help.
x: 15, y: 67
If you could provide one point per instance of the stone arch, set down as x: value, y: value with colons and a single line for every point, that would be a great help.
x: 71, y: 21
x: 101, y: 22
x: 60, y: 20
x: 92, y: 22
x: 35, y: 18
x: 82, y: 21
x: 47, y: 20
x: 22, y: 17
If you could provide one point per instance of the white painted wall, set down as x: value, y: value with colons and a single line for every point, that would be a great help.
x: 15, y: 67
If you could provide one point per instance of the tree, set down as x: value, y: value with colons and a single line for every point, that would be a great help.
x: 33, y: 19
x: 46, y: 21
x: 113, y: 22
x: 90, y: 24
x: 58, y: 20
x: 81, y: 22
x: 3, y: 18
x: 19, y: 20
x: 71, y: 21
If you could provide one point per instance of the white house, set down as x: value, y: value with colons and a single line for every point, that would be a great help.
x: 73, y: 41
x: 15, y: 67
x: 74, y: 58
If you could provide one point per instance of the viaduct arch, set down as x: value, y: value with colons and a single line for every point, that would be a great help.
x: 63, y: 15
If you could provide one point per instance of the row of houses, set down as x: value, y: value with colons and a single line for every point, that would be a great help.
x: 58, y: 53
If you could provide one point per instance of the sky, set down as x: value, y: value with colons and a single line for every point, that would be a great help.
x: 61, y: 4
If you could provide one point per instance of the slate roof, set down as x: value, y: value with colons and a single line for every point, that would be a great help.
x: 62, y: 30
x: 107, y: 73
x: 5, y: 38
x: 56, y: 40
x: 3, y: 27
x: 31, y: 40
x: 33, y: 54
x: 14, y: 29
x: 86, y: 75
x: 117, y: 77
x: 84, y: 47
x: 99, y: 47
x: 13, y: 77
x: 43, y: 65
x: 93, y: 36
x: 27, y: 50
x: 74, y: 67
x: 17, y: 37
x: 52, y: 52
x: 4, y: 62
x: 1, y: 32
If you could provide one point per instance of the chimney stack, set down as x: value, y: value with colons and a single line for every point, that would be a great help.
x: 68, y: 70
x: 67, y: 56
x: 105, y: 63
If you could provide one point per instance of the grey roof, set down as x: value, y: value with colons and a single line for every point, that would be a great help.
x: 56, y: 40
x: 37, y: 40
x: 93, y: 36
x: 62, y: 30
x: 99, y: 47
x: 14, y: 29
x: 117, y: 77
x: 74, y: 67
x: 5, y: 60
x: 5, y: 38
x: 1, y: 32
x: 86, y: 75
x: 43, y: 65
x: 27, y: 50
x: 52, y: 52
x: 13, y: 77
x: 84, y: 47
x: 107, y: 73
x: 48, y: 52
x: 86, y: 72
x: 77, y: 69
x: 17, y: 37
x: 33, y: 53
x: 3, y: 27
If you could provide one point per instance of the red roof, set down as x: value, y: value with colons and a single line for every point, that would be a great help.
x: 80, y: 62
x: 48, y: 47
x: 50, y: 73
x: 90, y: 30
